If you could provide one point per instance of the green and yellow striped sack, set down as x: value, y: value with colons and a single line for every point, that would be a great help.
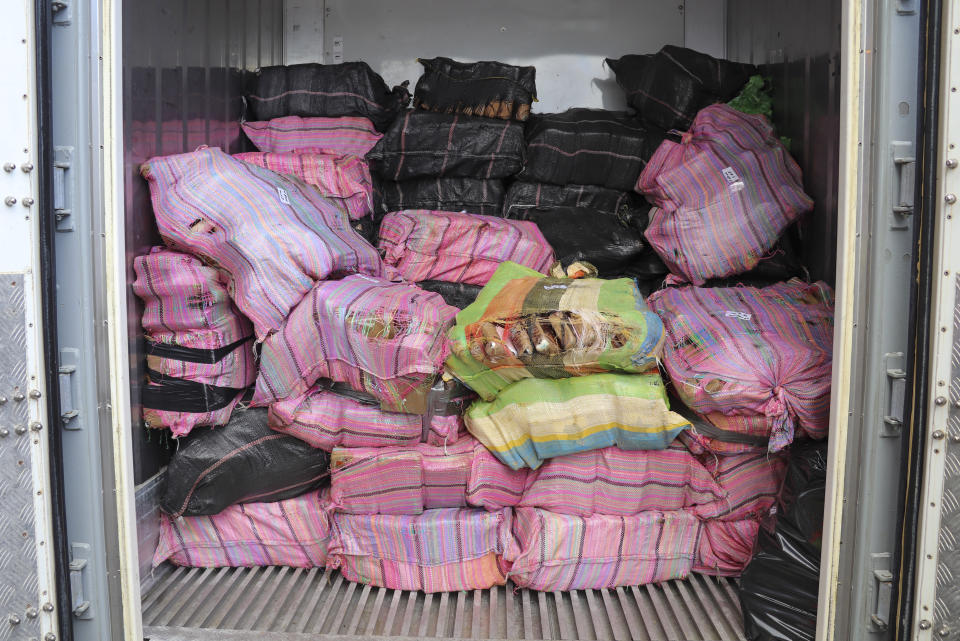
x: 536, y: 419
x: 526, y: 325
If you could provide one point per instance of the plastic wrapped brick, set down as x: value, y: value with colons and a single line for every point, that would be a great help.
x: 459, y: 247
x: 343, y: 177
x: 441, y: 550
x: 588, y: 147
x: 329, y: 416
x: 627, y: 205
x: 457, y: 295
x: 294, y: 532
x: 723, y: 196
x: 293, y: 134
x: 538, y: 419
x: 669, y: 87
x: 525, y: 325
x: 488, y: 89
x: 312, y: 89
x: 759, y: 357
x: 607, y: 481
x: 471, y: 195
x: 380, y: 337
x: 427, y: 145
x: 240, y: 462
x: 198, y: 346
x: 563, y: 552
x: 273, y: 235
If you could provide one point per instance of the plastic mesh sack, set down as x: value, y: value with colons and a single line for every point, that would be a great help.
x: 524, y: 325
x: 722, y: 196
x: 457, y: 295
x: 272, y: 235
x: 240, y: 462
x: 294, y: 532
x: 606, y: 481
x: 293, y: 134
x: 427, y: 145
x: 198, y: 346
x: 588, y: 147
x: 459, y: 247
x: 758, y: 357
x: 379, y: 337
x: 471, y: 195
x: 441, y: 550
x: 561, y: 552
x: 537, y: 419
x: 343, y: 177
x: 488, y: 89
x: 345, y: 89
x: 669, y: 87
x: 328, y: 417
x: 627, y: 205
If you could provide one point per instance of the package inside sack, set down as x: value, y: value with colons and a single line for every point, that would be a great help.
x: 472, y: 195
x: 293, y: 134
x: 752, y: 359
x: 489, y: 89
x: 272, y: 235
x: 522, y: 195
x: 380, y: 337
x: 524, y: 325
x: 198, y: 346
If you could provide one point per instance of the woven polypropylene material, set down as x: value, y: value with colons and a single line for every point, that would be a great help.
x: 528, y: 195
x: 440, y: 550
x: 472, y: 195
x: 326, y: 420
x: 427, y: 145
x: 762, y: 354
x: 293, y: 134
x: 294, y: 532
x: 725, y: 547
x: 273, y: 235
x: 186, y: 304
x: 380, y: 337
x: 488, y: 89
x: 588, y: 147
x: 750, y: 483
x: 722, y: 196
x: 344, y: 177
x: 458, y: 247
x: 564, y: 552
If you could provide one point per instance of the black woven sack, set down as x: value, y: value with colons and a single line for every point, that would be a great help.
x: 669, y: 87
x: 526, y: 195
x: 588, y: 147
x: 457, y: 295
x: 488, y: 89
x: 420, y: 144
x: 441, y: 194
x: 309, y: 90
x: 241, y: 462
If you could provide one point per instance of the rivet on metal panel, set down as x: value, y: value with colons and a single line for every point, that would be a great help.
x: 27, y: 201
x: 4, y: 432
x: 34, y: 393
x: 18, y: 396
x: 925, y: 625
x: 955, y: 438
x: 9, y: 166
x: 3, y: 400
x: 47, y: 607
x: 950, y: 199
x: 941, y: 400
x: 49, y: 636
x: 26, y: 167
x: 943, y: 631
x: 938, y: 434
x: 32, y: 612
x: 36, y: 426
x: 10, y: 201
x: 14, y: 619
x: 952, y: 163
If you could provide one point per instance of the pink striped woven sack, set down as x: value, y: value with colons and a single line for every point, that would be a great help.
x: 344, y: 177
x: 607, y: 481
x: 441, y: 550
x: 722, y: 196
x: 193, y: 335
x: 384, y: 338
x: 761, y: 355
x: 272, y: 235
x: 459, y: 247
x: 326, y: 419
x: 725, y: 547
x: 349, y: 135
x: 293, y: 532
x: 750, y: 481
x: 566, y: 552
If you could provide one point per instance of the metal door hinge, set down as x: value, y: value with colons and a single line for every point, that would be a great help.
x: 896, y: 394
x: 62, y: 194
x: 906, y: 7
x: 904, y: 164
x: 69, y: 413
x: 62, y: 12
x: 883, y: 590
x: 79, y: 560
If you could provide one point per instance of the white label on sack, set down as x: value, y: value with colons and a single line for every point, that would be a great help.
x: 549, y: 287
x: 730, y: 175
x: 741, y: 315
x: 284, y: 198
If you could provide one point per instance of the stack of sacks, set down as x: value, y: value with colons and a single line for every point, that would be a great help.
x: 465, y: 135
x: 198, y: 346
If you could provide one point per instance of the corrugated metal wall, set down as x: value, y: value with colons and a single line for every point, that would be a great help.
x: 185, y: 66
x: 802, y: 56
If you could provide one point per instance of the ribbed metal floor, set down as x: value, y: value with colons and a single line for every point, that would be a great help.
x: 280, y: 604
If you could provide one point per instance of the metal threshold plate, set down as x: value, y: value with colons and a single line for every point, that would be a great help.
x: 288, y: 604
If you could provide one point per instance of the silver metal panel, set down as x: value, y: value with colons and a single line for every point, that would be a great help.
x: 18, y: 559
x: 233, y: 604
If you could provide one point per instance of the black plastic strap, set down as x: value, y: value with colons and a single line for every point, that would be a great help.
x: 180, y: 395
x: 342, y: 389
x: 193, y: 354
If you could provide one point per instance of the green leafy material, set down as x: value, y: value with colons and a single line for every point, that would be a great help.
x: 754, y: 98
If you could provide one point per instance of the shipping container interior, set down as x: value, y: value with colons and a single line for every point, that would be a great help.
x: 186, y: 66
